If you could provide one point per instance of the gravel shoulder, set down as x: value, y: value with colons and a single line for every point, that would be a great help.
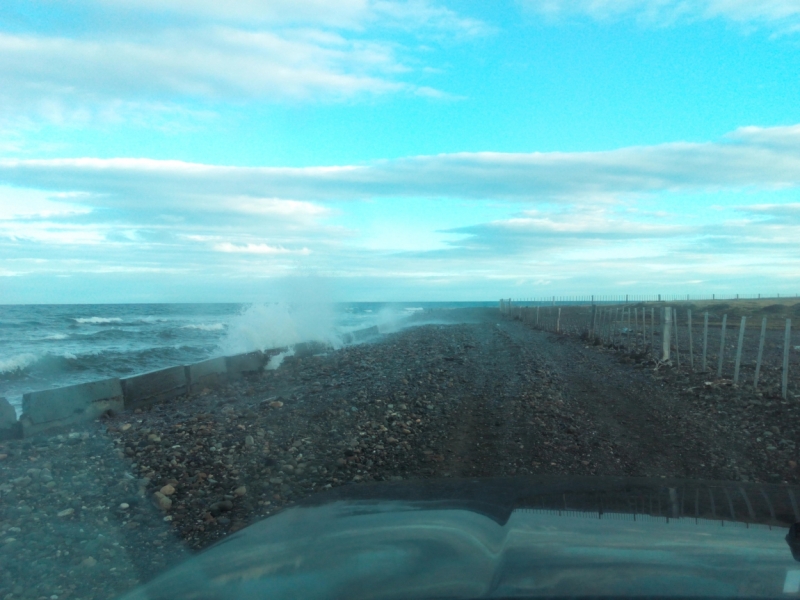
x: 92, y: 512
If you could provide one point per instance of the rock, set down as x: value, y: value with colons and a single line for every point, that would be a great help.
x: 3, y: 456
x: 163, y: 502
x: 240, y: 491
x: 89, y: 562
x: 66, y: 512
x: 124, y: 506
x: 249, y: 441
x: 167, y: 490
x: 125, y: 427
x: 392, y: 440
x: 276, y: 404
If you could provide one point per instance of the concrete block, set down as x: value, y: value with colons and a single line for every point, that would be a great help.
x: 208, y: 373
x: 240, y: 364
x: 364, y: 334
x: 359, y: 335
x: 10, y: 428
x: 304, y: 349
x: 69, y: 405
x: 156, y: 386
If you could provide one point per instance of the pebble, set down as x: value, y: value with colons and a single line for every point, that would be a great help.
x: 240, y: 491
x: 124, y: 506
x: 125, y: 427
x: 163, y: 502
x: 276, y: 404
x: 66, y: 512
x: 249, y: 441
x: 167, y: 490
x: 89, y: 562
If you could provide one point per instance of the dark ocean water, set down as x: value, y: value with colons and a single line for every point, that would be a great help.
x: 47, y: 346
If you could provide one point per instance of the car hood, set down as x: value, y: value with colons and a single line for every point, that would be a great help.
x: 536, y: 537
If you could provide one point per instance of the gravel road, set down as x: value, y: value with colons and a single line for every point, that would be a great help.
x: 91, y: 512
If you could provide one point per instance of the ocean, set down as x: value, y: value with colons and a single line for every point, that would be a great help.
x: 49, y: 346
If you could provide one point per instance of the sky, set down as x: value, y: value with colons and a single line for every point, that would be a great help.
x: 397, y: 150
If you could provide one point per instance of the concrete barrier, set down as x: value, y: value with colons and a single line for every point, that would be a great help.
x: 69, y: 405
x: 156, y: 386
x: 208, y: 373
x: 304, y: 349
x: 250, y: 362
x: 360, y: 335
x: 10, y: 428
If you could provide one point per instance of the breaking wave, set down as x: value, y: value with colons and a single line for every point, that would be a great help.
x: 97, y: 320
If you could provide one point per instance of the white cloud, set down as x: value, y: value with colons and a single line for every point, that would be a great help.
x: 148, y: 68
x: 257, y: 249
x: 748, y: 158
x: 779, y: 14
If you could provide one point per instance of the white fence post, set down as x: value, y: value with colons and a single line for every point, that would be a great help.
x: 666, y: 338
x: 760, y: 351
x: 787, y: 339
x: 739, y: 351
x: 677, y: 345
x: 705, y: 341
x: 721, y: 346
x: 691, y: 341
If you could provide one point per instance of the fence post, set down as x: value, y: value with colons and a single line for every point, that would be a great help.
x: 558, y: 321
x: 760, y: 351
x: 594, y: 319
x: 705, y: 341
x: 739, y: 351
x: 787, y: 339
x: 666, y: 333
x: 721, y: 346
x: 652, y: 329
x: 691, y: 342
x: 537, y: 317
x: 677, y: 346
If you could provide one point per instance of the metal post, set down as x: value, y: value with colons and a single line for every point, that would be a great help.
x: 739, y: 351
x: 636, y: 326
x: 666, y: 333
x: 558, y: 321
x: 594, y: 319
x: 721, y: 346
x: 677, y: 346
x: 691, y: 342
x: 705, y: 341
x: 652, y: 329
x: 760, y: 351
x: 787, y: 339
x: 537, y: 316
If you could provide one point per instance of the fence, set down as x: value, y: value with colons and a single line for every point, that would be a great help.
x: 628, y: 298
x: 744, y: 351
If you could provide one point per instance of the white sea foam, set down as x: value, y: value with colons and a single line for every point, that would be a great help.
x: 17, y: 363
x: 56, y: 336
x: 97, y: 320
x: 206, y: 326
x: 277, y: 360
x: 265, y: 326
x: 69, y: 356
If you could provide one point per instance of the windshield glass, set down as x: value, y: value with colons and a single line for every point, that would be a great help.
x: 255, y: 252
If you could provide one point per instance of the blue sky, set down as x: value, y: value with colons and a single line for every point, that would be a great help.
x: 397, y: 149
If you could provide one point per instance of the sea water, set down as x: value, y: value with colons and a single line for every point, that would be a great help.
x: 49, y: 346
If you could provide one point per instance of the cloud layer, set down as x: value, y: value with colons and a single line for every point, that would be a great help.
x: 777, y: 14
x: 565, y: 221
x: 749, y: 157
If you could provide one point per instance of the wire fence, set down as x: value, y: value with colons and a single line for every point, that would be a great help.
x: 756, y: 350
